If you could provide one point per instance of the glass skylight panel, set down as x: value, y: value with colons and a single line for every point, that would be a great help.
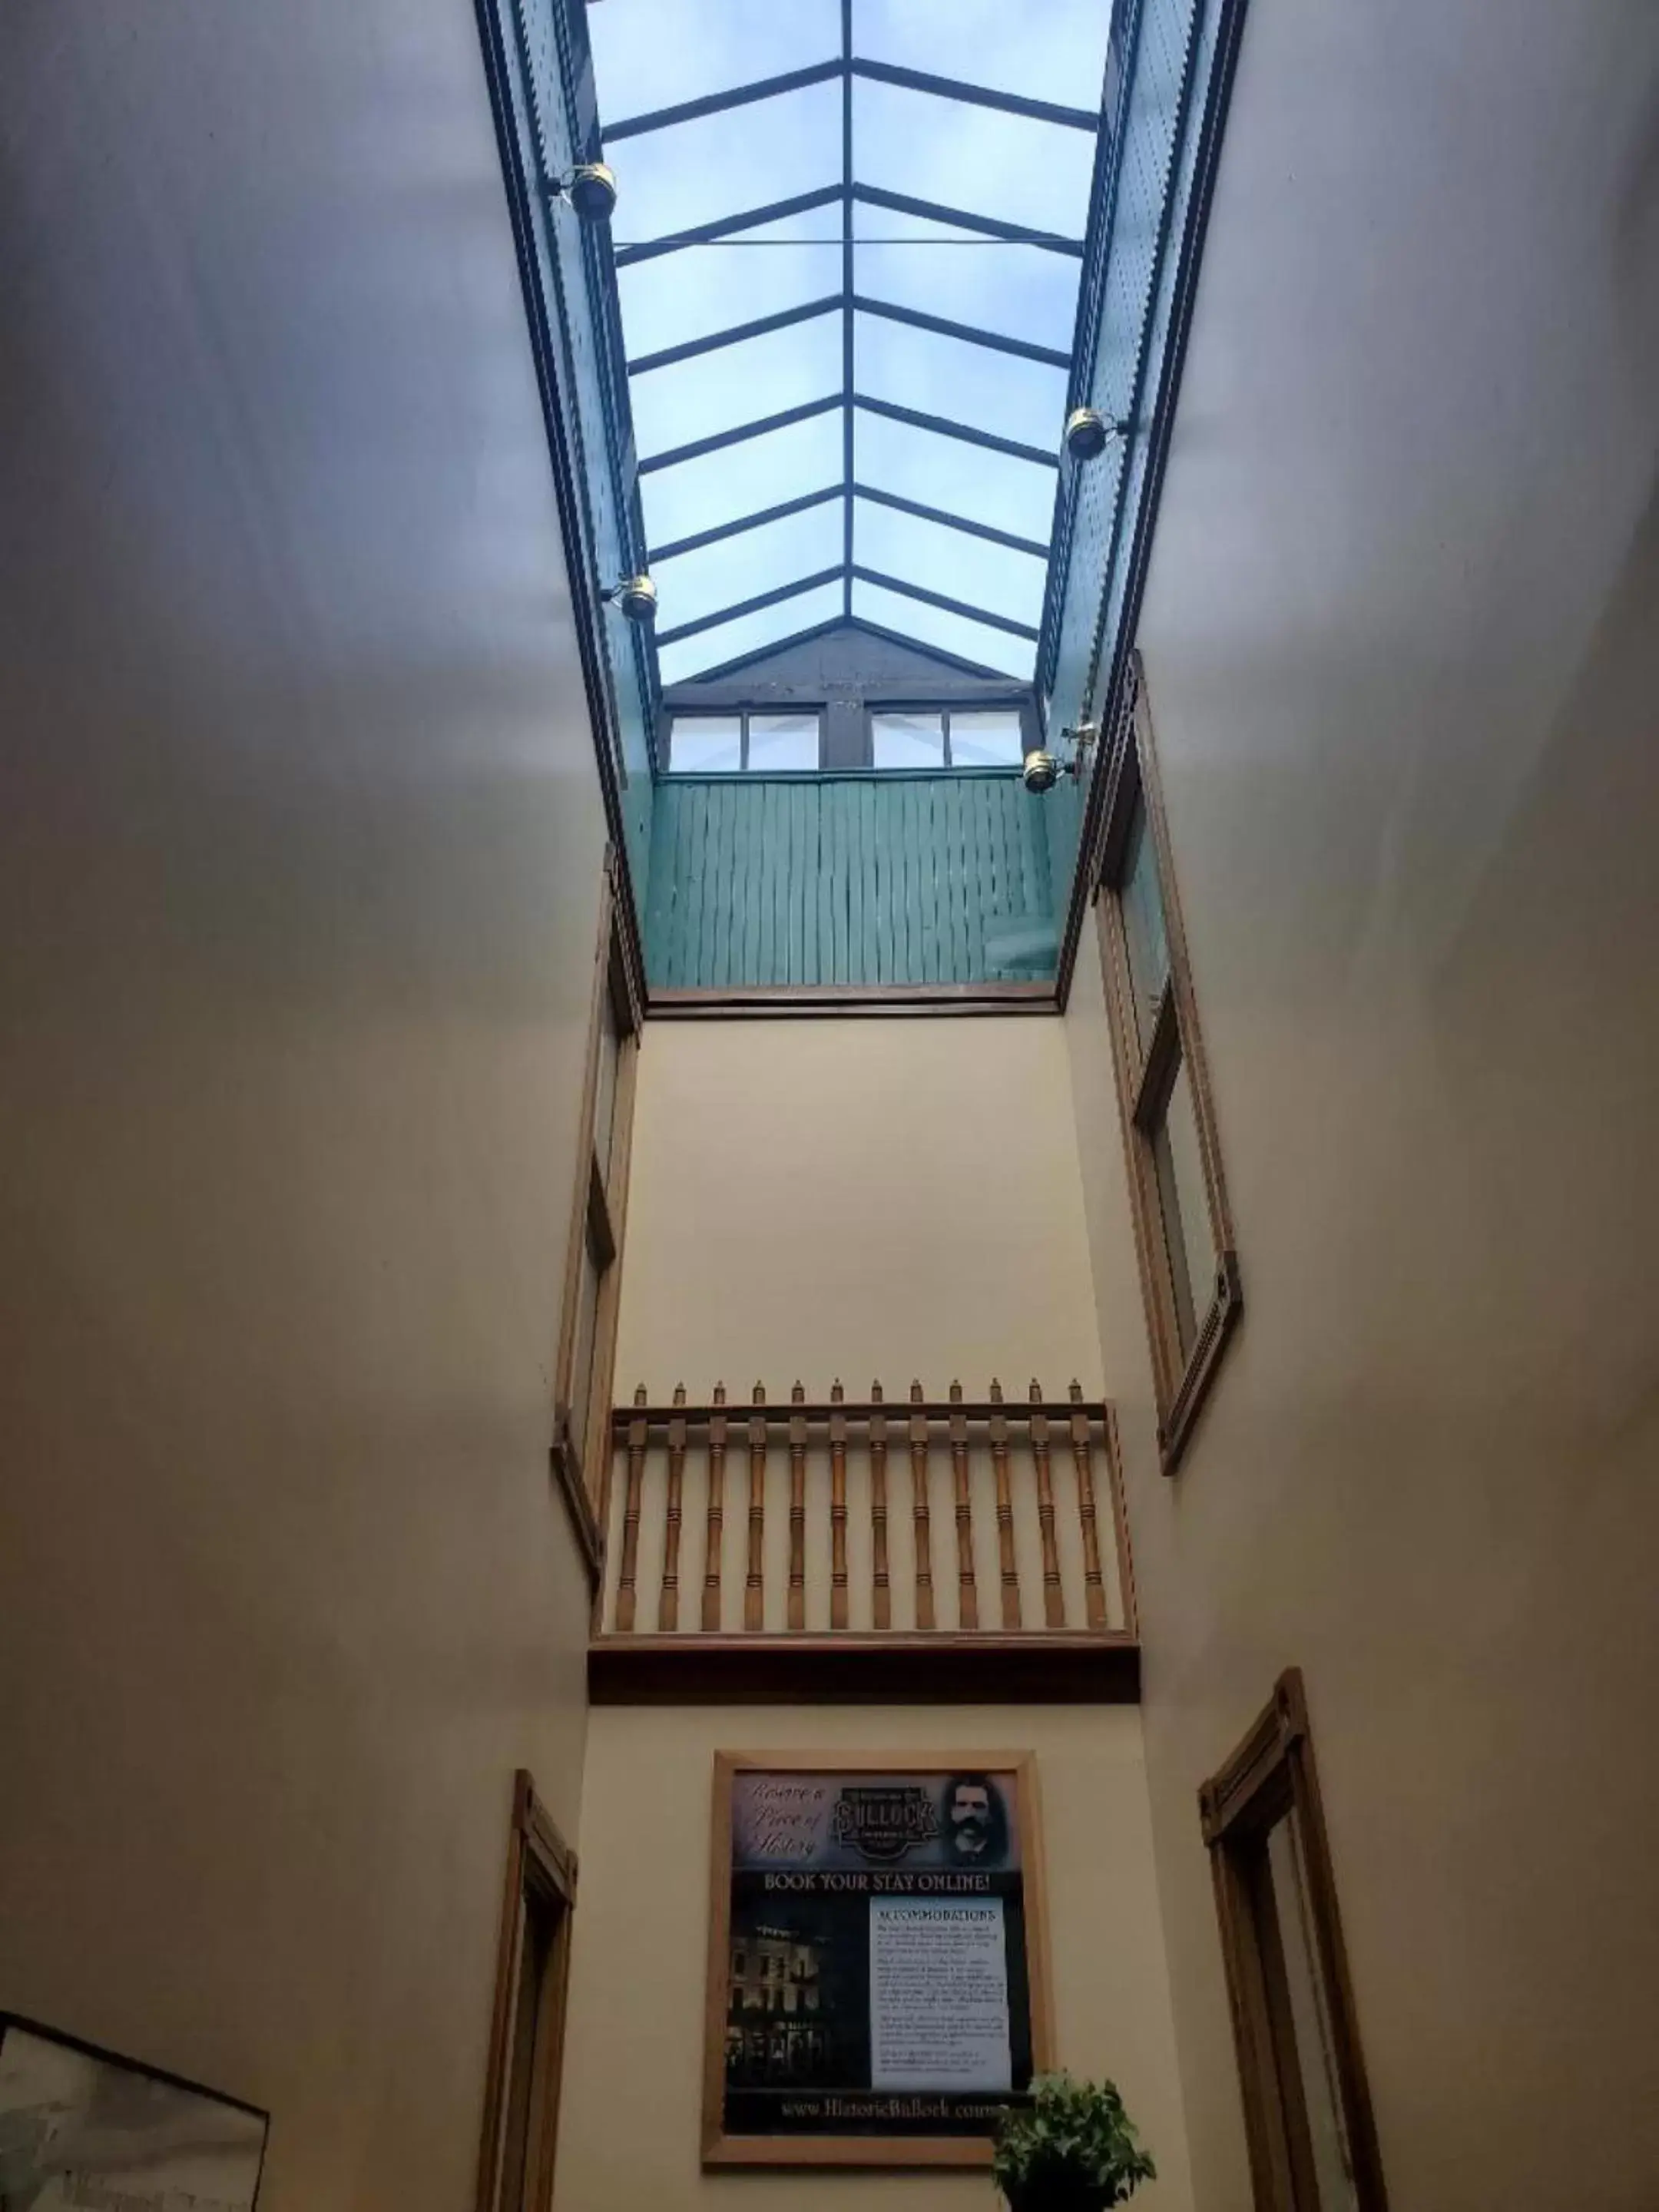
x: 901, y: 740
x: 782, y: 742
x: 705, y: 745
x: 721, y: 391
x: 720, y: 575
x: 949, y: 561
x: 671, y: 179
x: 985, y: 389
x: 646, y: 55
x: 699, y: 291
x: 940, y: 471
x: 972, y: 158
x: 741, y: 479
x: 1055, y: 51
x: 1020, y: 291
x: 987, y: 738
x: 977, y: 642
x: 732, y: 640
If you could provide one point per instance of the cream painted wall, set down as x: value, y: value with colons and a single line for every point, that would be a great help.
x: 1403, y: 653
x: 631, y: 2118
x: 872, y: 1200
x: 876, y: 1198
x: 302, y: 848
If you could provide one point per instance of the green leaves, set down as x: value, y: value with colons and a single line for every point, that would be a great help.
x: 1071, y: 2149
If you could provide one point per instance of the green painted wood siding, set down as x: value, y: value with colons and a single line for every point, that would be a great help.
x: 869, y: 879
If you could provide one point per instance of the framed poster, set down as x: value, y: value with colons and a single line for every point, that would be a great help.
x: 877, y: 1986
x: 82, y: 2129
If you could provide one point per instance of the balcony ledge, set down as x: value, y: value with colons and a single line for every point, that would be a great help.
x: 1037, y: 1667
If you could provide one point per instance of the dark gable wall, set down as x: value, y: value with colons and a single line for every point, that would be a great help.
x: 845, y: 669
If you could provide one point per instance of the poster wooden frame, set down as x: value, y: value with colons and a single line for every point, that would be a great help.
x: 1018, y: 1771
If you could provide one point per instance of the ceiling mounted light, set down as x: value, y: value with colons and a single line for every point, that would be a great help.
x: 1088, y: 432
x: 635, y: 595
x: 591, y: 189
x: 1043, y: 770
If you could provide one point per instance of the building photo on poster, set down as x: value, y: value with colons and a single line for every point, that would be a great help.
x: 877, y: 1990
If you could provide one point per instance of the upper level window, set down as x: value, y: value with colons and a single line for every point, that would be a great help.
x: 1183, y: 1233
x: 947, y: 737
x: 756, y: 741
x: 752, y: 743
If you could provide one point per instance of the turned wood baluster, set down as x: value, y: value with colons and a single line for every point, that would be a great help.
x: 837, y: 1508
x: 1053, y: 1597
x: 668, y: 1597
x: 753, y: 1591
x: 713, y: 1563
x: 631, y: 1549
x: 797, y: 1616
x: 967, y: 1589
x: 1083, y: 1455
x: 1010, y: 1566
x: 881, y: 1595
x: 920, y: 1512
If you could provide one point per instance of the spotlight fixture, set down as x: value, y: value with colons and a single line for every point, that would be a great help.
x: 1088, y: 432
x: 635, y: 595
x: 1043, y: 770
x: 591, y: 189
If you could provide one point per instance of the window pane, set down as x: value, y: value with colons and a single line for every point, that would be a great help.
x: 1308, y: 2021
x: 1185, y: 1208
x: 740, y: 480
x: 1052, y: 50
x: 722, y: 165
x: 907, y: 740
x: 605, y: 1093
x: 716, y: 577
x: 643, y: 58
x: 1142, y: 925
x: 783, y: 741
x: 994, y: 650
x: 993, y: 577
x: 709, y: 744
x: 943, y: 472
x: 746, y: 634
x: 975, y: 159
x: 987, y: 739
x: 581, y: 1366
x: 736, y: 384
x: 976, y: 384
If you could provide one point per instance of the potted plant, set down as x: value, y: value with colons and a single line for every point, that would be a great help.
x: 1073, y: 2148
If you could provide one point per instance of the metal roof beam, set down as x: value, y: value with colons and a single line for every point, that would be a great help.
x: 918, y: 421
x: 979, y: 95
x: 939, y: 600
x: 751, y: 606
x: 716, y: 103
x: 1031, y: 545
x: 987, y: 226
x: 758, y: 329
x: 699, y: 447
x: 722, y: 530
x: 751, y: 218
x: 967, y: 332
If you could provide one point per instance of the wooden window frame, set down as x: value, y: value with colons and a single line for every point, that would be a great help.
x: 539, y: 1864
x: 599, y: 1217
x: 1271, y: 1777
x: 1182, y: 1379
x: 742, y: 716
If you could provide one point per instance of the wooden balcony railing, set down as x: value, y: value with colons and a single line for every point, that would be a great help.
x: 908, y: 1548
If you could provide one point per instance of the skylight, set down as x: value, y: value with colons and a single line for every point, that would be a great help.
x: 847, y: 245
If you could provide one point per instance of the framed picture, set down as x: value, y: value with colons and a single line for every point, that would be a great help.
x: 878, y: 1983
x: 82, y: 2127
